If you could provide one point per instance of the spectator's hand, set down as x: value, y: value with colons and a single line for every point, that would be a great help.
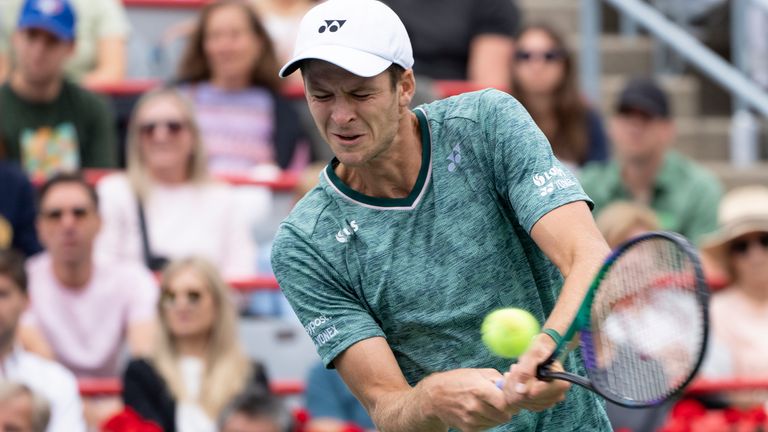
x: 468, y: 399
x: 521, y: 387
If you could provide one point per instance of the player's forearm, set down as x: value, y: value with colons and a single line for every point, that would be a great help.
x: 407, y: 410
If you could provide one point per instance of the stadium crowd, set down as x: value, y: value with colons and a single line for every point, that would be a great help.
x: 120, y: 228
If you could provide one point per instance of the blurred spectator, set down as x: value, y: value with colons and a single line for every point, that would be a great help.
x: 544, y: 81
x: 281, y: 19
x: 197, y: 365
x: 21, y: 409
x: 331, y: 405
x: 622, y: 220
x: 101, y: 32
x: 50, y: 379
x: 167, y: 182
x: 683, y: 195
x: 17, y: 211
x: 255, y: 411
x: 461, y: 40
x: 739, y: 313
x: 82, y: 310
x: 229, y: 70
x: 50, y: 124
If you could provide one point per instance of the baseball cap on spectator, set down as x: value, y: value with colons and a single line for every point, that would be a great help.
x: 54, y: 16
x: 364, y: 37
x: 644, y: 95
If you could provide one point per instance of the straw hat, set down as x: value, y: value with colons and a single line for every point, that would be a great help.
x: 742, y: 210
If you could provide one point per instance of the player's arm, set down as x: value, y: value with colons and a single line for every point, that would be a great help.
x: 466, y: 399
x: 570, y: 239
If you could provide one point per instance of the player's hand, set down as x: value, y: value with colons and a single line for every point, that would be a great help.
x: 467, y: 399
x: 521, y: 387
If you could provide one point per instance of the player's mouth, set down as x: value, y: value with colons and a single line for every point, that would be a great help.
x: 348, y: 139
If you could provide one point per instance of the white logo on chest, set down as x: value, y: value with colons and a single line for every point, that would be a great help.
x: 347, y: 232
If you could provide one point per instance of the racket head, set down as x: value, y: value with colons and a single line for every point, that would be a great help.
x: 644, y: 323
x: 648, y: 321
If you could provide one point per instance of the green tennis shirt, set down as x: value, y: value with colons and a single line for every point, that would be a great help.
x: 422, y: 271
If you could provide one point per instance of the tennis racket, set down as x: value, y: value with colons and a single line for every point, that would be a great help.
x: 643, y: 323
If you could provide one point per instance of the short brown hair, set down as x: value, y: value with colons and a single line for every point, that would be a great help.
x: 12, y: 267
x: 68, y: 177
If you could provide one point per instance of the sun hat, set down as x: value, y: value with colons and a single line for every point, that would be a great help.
x: 364, y: 37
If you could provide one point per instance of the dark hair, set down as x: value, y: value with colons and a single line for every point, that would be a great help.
x: 12, y: 267
x: 64, y: 178
x: 194, y: 66
x: 257, y: 403
x: 570, y: 141
x: 395, y: 73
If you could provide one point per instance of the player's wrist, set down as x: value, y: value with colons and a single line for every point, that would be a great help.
x: 427, y: 393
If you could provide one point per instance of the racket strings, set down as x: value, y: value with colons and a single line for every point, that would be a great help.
x: 647, y: 325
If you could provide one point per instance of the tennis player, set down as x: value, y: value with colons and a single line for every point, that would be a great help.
x: 425, y: 221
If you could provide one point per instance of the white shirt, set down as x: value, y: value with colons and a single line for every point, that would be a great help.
x: 207, y: 220
x: 190, y: 416
x: 53, y: 382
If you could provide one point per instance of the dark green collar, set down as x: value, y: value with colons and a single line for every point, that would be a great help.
x: 418, y: 190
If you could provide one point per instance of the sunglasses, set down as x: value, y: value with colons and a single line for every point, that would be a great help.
x: 550, y: 56
x: 741, y: 246
x: 170, y: 298
x: 55, y: 214
x: 173, y: 127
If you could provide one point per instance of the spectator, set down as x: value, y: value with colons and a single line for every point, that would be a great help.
x: 50, y: 379
x: 167, y: 179
x: 101, y: 32
x: 50, y: 124
x: 21, y: 409
x: 17, y: 211
x: 197, y: 365
x: 83, y: 311
x: 461, y: 40
x: 623, y: 220
x: 739, y: 312
x: 331, y: 405
x: 544, y: 81
x: 255, y: 411
x: 645, y: 169
x: 229, y: 70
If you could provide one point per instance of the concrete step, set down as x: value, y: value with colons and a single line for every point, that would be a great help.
x: 620, y: 55
x: 683, y: 92
x: 740, y: 176
x: 563, y: 15
x: 707, y: 138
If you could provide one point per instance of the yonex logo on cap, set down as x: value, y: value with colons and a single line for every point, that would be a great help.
x: 49, y: 7
x: 331, y: 25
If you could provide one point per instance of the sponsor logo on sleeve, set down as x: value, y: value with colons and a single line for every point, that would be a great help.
x: 347, y: 232
x: 321, y: 330
x: 553, y: 179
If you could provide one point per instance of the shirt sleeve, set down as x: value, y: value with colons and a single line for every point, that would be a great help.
x: 702, y: 215
x: 113, y: 21
x: 500, y: 17
x: 67, y: 409
x: 526, y: 173
x: 100, y: 150
x: 25, y: 234
x: 328, y: 307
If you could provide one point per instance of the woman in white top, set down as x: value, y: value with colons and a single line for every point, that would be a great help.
x: 197, y: 365
x: 185, y: 213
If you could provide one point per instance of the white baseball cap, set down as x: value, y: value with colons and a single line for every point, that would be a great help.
x: 362, y: 36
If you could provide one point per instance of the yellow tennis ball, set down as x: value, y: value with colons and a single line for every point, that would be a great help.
x: 507, y: 332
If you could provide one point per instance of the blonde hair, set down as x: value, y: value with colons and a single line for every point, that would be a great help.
x: 227, y: 369
x: 138, y: 176
x: 620, y: 218
x: 41, y: 409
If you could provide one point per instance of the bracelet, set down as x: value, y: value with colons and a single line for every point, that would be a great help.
x: 553, y: 334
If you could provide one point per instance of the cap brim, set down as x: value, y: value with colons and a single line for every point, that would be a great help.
x: 49, y: 26
x: 353, y: 60
x: 641, y: 104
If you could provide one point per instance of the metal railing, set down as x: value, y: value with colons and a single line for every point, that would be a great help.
x: 747, y: 94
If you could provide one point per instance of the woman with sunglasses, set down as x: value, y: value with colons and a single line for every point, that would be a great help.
x: 197, y: 365
x: 739, y: 312
x: 166, y: 206
x: 544, y: 82
x: 229, y: 71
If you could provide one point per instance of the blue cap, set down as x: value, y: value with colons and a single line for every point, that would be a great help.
x: 54, y: 16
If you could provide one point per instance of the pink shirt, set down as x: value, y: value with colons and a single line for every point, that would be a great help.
x: 86, y: 327
x: 741, y: 325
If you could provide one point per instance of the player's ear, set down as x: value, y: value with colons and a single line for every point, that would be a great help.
x: 406, y: 87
